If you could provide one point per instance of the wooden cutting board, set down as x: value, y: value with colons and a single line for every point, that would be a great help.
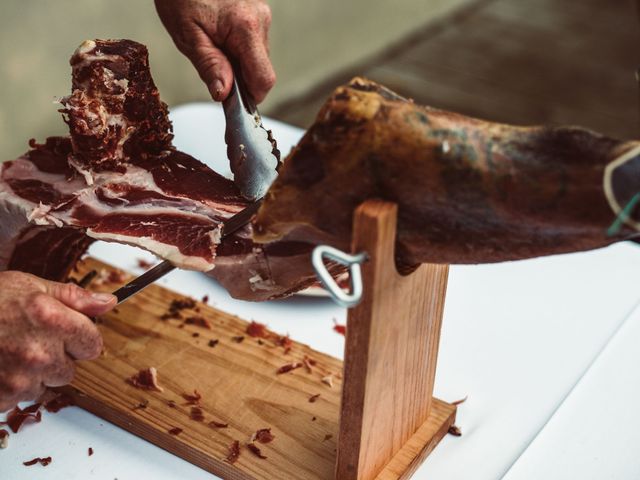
x: 238, y: 382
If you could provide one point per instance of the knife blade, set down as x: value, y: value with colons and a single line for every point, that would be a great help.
x: 139, y: 283
x: 252, y: 151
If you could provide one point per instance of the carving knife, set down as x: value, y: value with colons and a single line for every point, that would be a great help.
x: 229, y: 226
x: 252, y: 151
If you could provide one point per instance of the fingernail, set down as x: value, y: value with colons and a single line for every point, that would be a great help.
x: 216, y: 89
x: 102, y: 297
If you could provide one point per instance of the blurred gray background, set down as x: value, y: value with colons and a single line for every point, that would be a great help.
x: 515, y: 61
x: 311, y: 40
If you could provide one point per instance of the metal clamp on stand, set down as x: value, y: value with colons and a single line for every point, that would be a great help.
x: 352, y: 262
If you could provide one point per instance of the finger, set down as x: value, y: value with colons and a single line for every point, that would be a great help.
x: 80, y: 337
x: 32, y: 355
x: 80, y: 299
x: 249, y: 48
x: 16, y: 386
x: 212, y: 65
x: 7, y: 404
x: 35, y: 392
x: 61, y: 373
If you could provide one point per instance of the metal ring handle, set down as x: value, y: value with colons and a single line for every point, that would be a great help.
x: 353, y: 262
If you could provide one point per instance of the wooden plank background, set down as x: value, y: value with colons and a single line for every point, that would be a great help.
x: 515, y: 61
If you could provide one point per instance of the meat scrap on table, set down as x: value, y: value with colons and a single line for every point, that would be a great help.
x: 51, y: 401
x: 18, y: 416
x: 44, y: 461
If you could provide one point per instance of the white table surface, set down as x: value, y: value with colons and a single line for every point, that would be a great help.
x: 545, y: 349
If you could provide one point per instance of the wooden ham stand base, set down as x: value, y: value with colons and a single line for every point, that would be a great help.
x: 382, y: 427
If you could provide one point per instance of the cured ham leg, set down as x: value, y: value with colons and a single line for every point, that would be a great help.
x: 468, y: 191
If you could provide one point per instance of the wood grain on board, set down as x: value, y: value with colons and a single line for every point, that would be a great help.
x: 238, y: 383
x: 391, y: 351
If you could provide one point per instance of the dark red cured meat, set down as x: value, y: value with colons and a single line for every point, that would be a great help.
x: 257, y: 330
x: 64, y: 247
x: 51, y: 157
x: 182, y: 304
x: 285, y: 342
x: 198, y: 321
x: 175, y: 431
x: 130, y: 195
x: 142, y: 263
x: 141, y: 105
x: 119, y: 177
x: 37, y: 191
x: 59, y: 402
x: 196, y: 414
x: 182, y: 175
x: 44, y: 461
x: 288, y: 367
x: 215, y: 424
x: 117, y: 124
x: 193, y: 233
x: 17, y: 417
x: 341, y: 329
x: 253, y: 448
x: 234, y: 452
x: 264, y: 435
x: 146, y: 379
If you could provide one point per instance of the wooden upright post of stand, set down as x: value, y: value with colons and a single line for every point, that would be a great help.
x: 389, y: 419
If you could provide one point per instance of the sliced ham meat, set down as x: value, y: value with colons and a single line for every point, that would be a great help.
x: 116, y: 178
x: 173, y: 208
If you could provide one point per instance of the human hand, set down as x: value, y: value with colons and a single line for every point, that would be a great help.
x: 208, y: 32
x: 43, y: 329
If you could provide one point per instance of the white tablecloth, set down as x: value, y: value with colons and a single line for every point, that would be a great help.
x: 545, y: 350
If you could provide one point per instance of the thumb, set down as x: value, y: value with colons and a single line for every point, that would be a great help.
x: 212, y: 65
x: 82, y: 300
